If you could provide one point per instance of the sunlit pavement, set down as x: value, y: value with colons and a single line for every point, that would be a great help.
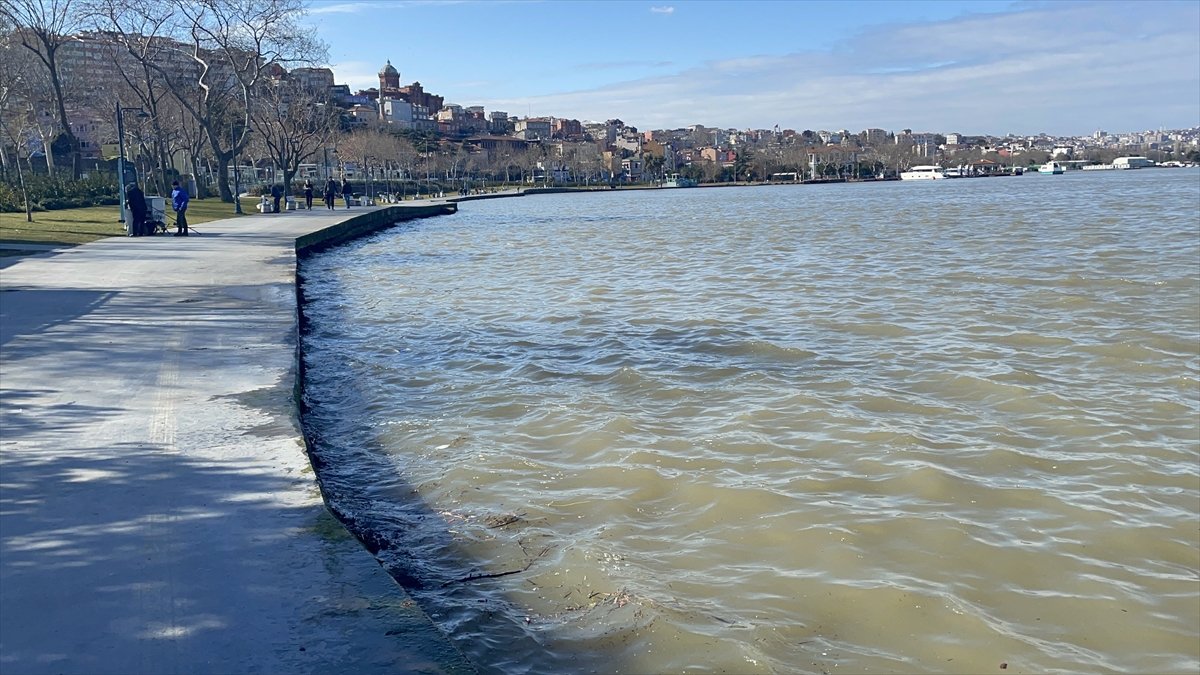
x: 158, y: 512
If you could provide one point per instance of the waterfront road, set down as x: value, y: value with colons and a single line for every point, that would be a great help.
x: 158, y: 512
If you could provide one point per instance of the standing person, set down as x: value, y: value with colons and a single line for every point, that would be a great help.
x: 331, y: 190
x: 276, y: 195
x: 346, y: 192
x: 179, y: 202
x: 135, y: 203
x: 308, y: 193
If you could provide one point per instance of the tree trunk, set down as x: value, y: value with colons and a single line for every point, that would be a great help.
x: 47, y: 149
x: 223, y: 158
x: 288, y: 174
x: 24, y: 191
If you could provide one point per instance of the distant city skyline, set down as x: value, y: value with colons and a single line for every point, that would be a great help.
x: 987, y: 67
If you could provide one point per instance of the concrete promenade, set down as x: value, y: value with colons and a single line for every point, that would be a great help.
x: 158, y: 512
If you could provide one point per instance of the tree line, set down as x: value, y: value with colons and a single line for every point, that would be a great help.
x: 193, y: 87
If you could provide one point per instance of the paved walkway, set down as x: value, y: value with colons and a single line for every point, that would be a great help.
x: 158, y: 513
x: 31, y: 247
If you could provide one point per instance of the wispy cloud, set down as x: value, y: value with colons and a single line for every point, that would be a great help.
x: 359, y: 6
x: 617, y: 65
x: 665, y: 9
x: 340, y: 8
x: 1014, y: 72
x: 357, y: 74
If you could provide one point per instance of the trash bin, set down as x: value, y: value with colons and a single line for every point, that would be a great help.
x: 156, y: 213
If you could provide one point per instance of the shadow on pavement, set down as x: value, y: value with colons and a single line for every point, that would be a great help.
x: 64, y: 518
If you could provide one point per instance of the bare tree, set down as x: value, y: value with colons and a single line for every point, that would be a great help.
x: 456, y: 160
x: 528, y: 161
x: 43, y: 27
x: 366, y: 148
x: 214, y: 56
x: 16, y: 113
x: 294, y: 124
x: 146, y: 89
x: 504, y: 160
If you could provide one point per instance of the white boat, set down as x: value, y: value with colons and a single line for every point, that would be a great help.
x: 955, y: 173
x: 1052, y: 168
x: 925, y: 172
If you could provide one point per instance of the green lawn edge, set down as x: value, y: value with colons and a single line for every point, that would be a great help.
x: 71, y: 227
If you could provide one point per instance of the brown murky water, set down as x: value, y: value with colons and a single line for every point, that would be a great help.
x: 848, y: 428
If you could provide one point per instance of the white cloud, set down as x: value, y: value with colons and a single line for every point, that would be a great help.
x: 340, y: 8
x: 358, y: 6
x: 357, y: 74
x: 1116, y: 68
x: 663, y: 10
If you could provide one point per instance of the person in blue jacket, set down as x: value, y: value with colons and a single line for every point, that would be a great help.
x: 179, y: 202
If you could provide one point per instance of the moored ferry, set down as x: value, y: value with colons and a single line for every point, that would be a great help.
x: 1052, y: 168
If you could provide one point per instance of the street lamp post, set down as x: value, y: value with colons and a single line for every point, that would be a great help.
x: 121, y: 161
x: 237, y: 173
x: 121, y: 156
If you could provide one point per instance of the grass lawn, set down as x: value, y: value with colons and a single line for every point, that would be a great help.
x: 69, y: 227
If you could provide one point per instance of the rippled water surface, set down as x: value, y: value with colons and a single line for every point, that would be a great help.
x: 933, y: 427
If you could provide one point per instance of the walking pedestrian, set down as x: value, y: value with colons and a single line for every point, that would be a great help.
x: 347, y: 193
x: 276, y: 195
x: 331, y: 190
x: 308, y: 194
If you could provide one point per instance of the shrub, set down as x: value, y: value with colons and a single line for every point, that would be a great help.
x: 57, y: 203
x: 10, y: 199
x: 54, y: 192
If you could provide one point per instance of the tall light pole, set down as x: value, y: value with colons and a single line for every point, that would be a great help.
x: 121, y: 160
x: 121, y: 154
x: 237, y: 174
x: 323, y: 113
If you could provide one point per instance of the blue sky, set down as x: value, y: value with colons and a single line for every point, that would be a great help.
x: 990, y: 67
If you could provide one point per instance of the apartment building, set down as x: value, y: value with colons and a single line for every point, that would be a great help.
x: 532, y: 128
x: 95, y: 67
x: 874, y: 136
x: 317, y: 80
x: 628, y: 142
x: 570, y: 130
x: 631, y: 169
x: 498, y: 123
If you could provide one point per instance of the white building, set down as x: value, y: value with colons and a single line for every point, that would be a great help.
x: 630, y: 142
x: 1132, y: 163
x: 397, y: 113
